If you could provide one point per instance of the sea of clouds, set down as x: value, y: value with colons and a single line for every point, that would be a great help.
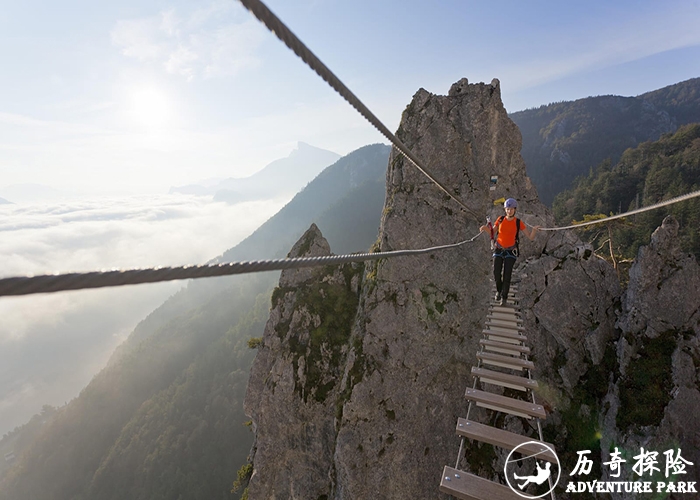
x: 51, y: 345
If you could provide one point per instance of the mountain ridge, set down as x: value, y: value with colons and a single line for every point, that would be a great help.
x: 284, y: 176
x: 561, y: 141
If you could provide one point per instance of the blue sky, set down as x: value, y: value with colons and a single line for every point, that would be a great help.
x: 139, y: 96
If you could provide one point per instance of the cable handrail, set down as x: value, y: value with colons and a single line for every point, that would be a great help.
x: 670, y: 201
x: 50, y: 283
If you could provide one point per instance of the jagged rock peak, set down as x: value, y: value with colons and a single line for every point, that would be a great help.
x: 467, y: 142
x: 299, y: 378
x: 662, y: 292
x: 664, y: 237
x: 311, y: 244
x: 462, y: 86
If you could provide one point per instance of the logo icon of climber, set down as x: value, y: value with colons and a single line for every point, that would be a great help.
x: 531, y: 468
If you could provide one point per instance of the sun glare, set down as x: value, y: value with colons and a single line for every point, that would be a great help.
x: 149, y: 107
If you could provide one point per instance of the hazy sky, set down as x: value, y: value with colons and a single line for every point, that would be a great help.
x: 138, y: 96
x: 52, y: 344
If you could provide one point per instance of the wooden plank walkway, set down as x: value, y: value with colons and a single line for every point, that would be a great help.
x: 503, y: 347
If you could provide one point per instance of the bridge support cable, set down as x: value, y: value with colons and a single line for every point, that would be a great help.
x: 49, y: 283
x: 664, y: 203
x: 276, y: 26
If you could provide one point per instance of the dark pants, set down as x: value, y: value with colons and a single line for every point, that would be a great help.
x: 503, y: 263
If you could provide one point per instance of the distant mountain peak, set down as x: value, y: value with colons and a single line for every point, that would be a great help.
x: 305, y: 147
x: 281, y: 177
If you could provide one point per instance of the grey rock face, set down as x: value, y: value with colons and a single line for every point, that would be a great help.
x: 421, y: 317
x: 655, y: 400
x: 361, y: 375
x: 663, y: 290
x: 395, y: 384
x: 295, y: 382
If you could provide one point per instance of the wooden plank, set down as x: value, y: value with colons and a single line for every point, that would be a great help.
x: 505, y: 309
x: 505, y: 361
x: 503, y: 347
x: 504, y: 379
x: 512, y: 303
x: 466, y: 486
x: 490, y: 320
x: 511, y: 338
x: 505, y: 404
x: 503, y: 324
x: 505, y: 316
x: 504, y: 439
x: 507, y: 332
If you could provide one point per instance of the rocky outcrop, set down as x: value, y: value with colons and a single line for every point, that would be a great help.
x: 656, y: 396
x: 361, y: 375
x: 296, y: 383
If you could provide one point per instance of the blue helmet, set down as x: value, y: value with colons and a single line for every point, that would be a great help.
x: 510, y: 203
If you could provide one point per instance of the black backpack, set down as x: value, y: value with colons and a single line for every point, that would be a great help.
x: 517, y: 232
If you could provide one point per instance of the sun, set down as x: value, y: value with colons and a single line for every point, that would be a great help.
x: 149, y: 107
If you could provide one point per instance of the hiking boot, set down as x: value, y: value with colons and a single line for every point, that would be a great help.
x: 498, y: 297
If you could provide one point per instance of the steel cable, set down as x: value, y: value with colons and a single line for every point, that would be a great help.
x: 49, y: 283
x: 670, y: 201
x: 276, y: 26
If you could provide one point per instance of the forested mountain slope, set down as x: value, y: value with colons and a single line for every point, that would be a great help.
x: 564, y: 140
x: 648, y: 174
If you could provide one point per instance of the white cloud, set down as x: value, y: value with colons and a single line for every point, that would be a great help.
x: 218, y: 40
x: 52, y: 344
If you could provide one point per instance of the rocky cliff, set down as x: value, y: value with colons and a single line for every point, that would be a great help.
x: 362, y: 369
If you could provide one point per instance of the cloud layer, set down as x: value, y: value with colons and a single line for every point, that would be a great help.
x: 51, y: 345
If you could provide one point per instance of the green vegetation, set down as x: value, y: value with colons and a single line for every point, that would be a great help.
x: 563, y: 141
x: 335, y: 305
x: 355, y: 375
x: 648, y: 174
x: 645, y: 390
x: 242, y: 478
x: 435, y: 300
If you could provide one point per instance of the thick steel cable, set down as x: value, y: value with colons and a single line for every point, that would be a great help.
x: 276, y: 26
x: 50, y: 283
x: 670, y: 201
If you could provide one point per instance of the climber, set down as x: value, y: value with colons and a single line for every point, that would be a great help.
x: 506, y: 247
